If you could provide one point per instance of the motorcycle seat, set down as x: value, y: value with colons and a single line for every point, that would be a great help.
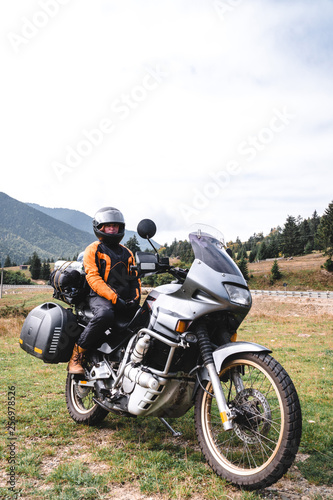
x: 123, y: 322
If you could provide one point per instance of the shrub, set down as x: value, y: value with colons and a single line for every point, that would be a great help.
x: 275, y: 272
x: 328, y: 265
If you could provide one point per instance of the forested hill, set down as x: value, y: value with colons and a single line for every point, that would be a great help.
x: 74, y: 218
x: 82, y: 221
x: 25, y: 230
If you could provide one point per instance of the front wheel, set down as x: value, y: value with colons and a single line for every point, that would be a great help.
x: 80, y: 403
x: 267, y: 426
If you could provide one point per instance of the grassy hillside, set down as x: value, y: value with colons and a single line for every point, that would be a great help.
x: 299, y: 273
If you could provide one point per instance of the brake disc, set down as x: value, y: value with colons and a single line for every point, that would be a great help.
x: 254, y: 415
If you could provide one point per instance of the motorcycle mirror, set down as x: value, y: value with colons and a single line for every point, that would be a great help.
x: 146, y: 229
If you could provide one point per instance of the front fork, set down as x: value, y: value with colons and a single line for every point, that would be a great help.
x: 207, y: 356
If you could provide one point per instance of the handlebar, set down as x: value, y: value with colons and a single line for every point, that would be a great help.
x: 161, y: 267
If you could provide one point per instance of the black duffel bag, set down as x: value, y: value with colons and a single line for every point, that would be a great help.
x: 69, y: 283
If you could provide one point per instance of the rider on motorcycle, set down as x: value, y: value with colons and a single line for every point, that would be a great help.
x: 114, y: 288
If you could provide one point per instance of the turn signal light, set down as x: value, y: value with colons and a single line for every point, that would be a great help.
x: 181, y: 326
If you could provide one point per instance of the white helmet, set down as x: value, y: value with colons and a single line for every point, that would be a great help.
x: 109, y: 215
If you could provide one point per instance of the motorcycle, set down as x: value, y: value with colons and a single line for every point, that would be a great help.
x: 179, y: 351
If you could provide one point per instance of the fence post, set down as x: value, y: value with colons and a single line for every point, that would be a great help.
x: 1, y: 283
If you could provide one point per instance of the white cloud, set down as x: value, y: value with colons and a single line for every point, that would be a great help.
x: 225, y: 79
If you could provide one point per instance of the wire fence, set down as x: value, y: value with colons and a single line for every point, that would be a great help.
x: 26, y: 287
x: 288, y: 293
x: 273, y: 293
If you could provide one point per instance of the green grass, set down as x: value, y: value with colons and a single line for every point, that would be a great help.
x: 18, y: 301
x: 304, y: 348
x: 56, y: 458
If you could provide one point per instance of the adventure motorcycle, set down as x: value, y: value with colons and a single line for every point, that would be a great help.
x: 179, y: 351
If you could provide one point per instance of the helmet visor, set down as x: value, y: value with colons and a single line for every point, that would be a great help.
x: 108, y: 216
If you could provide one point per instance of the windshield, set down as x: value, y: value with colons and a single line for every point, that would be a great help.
x: 208, y: 246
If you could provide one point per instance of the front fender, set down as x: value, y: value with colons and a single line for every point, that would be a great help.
x: 221, y: 354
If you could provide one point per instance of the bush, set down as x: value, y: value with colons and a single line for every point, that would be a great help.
x: 328, y: 265
x: 15, y: 278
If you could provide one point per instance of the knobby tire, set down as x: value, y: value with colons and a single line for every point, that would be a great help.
x: 266, y: 434
x: 80, y: 404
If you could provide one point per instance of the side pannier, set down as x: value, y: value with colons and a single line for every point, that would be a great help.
x: 69, y: 282
x: 49, y: 333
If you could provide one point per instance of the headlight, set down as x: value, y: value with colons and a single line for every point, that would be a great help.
x: 239, y: 295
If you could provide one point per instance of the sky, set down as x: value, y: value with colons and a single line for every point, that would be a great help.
x: 182, y: 111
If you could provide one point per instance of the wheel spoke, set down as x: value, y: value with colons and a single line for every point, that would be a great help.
x: 257, y: 427
x: 82, y: 397
x: 265, y: 407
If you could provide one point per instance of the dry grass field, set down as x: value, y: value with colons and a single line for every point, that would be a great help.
x: 137, y: 459
x: 298, y: 273
x: 306, y: 262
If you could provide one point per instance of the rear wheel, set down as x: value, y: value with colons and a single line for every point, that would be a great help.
x: 80, y: 404
x: 266, y: 430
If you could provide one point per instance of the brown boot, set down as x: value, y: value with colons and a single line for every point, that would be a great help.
x: 74, y: 365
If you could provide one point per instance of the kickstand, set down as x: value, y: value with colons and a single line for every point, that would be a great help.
x: 168, y: 426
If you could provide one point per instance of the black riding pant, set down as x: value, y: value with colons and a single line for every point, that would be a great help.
x: 104, y: 315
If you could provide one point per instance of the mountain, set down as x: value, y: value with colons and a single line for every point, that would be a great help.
x: 24, y: 229
x: 72, y: 217
x: 82, y: 221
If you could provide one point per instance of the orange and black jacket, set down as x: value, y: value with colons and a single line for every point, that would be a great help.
x: 108, y: 272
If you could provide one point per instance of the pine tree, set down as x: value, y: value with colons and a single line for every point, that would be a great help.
x: 306, y: 236
x: 238, y: 245
x: 308, y: 247
x: 325, y: 231
x: 273, y: 248
x: 314, y: 224
x: 8, y: 262
x: 35, y: 266
x: 291, y: 243
x: 242, y: 264
x: 275, y: 271
x: 45, y: 271
x: 242, y: 254
x: 253, y: 255
x: 133, y: 244
x: 262, y: 251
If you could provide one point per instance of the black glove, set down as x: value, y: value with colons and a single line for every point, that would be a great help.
x: 126, y: 305
x: 120, y: 304
x: 131, y: 304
